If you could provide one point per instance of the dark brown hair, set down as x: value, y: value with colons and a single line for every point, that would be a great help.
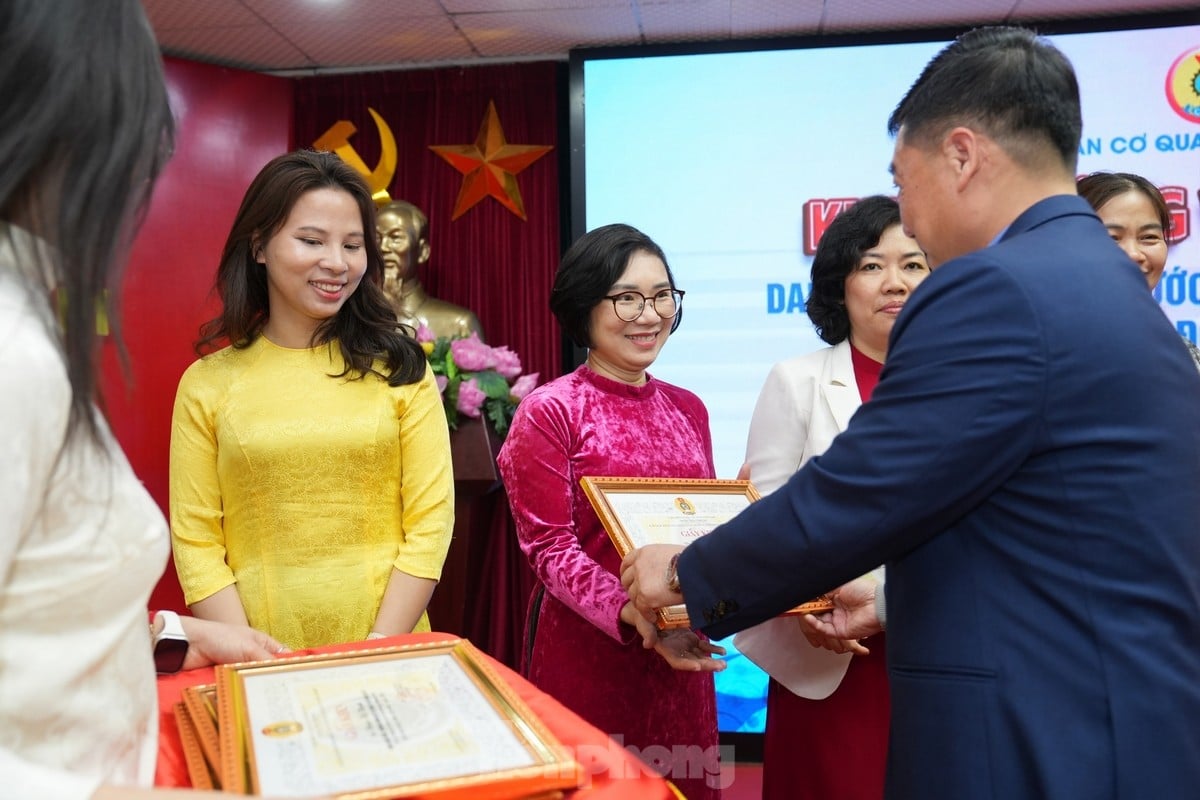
x: 85, y: 128
x: 1100, y: 187
x: 588, y: 270
x: 852, y: 233
x: 365, y: 326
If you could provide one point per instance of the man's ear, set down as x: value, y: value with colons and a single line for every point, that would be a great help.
x: 963, y: 151
x: 423, y: 253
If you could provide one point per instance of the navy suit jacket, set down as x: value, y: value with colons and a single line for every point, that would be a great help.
x: 1029, y: 470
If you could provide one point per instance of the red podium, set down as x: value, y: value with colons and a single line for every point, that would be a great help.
x: 473, y: 450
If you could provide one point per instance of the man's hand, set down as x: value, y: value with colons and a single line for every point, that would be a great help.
x: 212, y: 642
x: 644, y: 576
x: 852, y: 618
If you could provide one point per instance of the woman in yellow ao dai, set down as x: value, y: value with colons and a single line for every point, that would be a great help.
x: 311, y: 486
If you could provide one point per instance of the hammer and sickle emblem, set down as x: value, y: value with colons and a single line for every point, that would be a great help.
x: 337, y: 140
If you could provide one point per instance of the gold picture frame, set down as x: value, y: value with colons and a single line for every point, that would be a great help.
x: 199, y: 732
x: 430, y: 719
x: 640, y: 511
x: 198, y: 767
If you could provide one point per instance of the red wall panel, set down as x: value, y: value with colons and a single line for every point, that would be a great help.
x: 229, y: 123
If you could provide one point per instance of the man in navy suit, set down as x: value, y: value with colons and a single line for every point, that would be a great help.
x: 1028, y: 469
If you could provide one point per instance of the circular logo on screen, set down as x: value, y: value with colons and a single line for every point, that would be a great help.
x: 1183, y: 85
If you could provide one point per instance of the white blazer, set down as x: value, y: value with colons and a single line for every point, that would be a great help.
x: 804, y: 403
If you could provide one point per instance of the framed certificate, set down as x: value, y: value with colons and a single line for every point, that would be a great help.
x: 199, y: 706
x: 198, y: 768
x: 428, y: 719
x: 641, y: 511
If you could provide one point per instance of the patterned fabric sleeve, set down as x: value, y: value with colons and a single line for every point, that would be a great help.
x: 197, y: 536
x: 427, y: 482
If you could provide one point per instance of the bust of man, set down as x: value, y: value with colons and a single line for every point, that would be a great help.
x: 403, y: 233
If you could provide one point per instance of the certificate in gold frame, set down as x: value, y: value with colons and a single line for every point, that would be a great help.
x: 198, y: 767
x: 641, y: 511
x: 199, y: 705
x: 429, y: 719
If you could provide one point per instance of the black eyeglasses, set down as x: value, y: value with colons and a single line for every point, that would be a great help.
x: 629, y: 305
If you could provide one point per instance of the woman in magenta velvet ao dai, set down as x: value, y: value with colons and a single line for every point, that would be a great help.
x: 614, y: 294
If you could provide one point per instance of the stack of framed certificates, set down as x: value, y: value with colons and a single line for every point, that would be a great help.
x: 641, y: 511
x: 430, y: 720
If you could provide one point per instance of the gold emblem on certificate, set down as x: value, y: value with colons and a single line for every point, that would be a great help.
x: 641, y: 511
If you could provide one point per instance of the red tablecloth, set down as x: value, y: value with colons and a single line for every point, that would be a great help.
x: 614, y: 774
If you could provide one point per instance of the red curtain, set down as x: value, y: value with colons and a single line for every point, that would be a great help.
x: 488, y: 259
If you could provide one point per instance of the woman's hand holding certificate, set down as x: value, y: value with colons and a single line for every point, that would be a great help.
x: 683, y: 649
x: 662, y: 516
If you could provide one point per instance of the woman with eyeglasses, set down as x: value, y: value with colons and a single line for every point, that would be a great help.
x: 585, y: 643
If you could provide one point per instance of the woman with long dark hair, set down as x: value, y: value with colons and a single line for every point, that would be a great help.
x: 311, y: 490
x: 84, y: 130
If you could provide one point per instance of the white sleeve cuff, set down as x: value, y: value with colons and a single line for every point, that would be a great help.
x: 881, y: 605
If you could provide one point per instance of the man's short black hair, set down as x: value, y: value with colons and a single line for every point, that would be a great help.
x: 1010, y: 83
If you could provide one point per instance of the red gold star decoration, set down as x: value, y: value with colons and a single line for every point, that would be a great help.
x: 490, y: 166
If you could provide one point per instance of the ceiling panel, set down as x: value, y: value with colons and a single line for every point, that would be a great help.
x: 548, y: 33
x: 849, y: 15
x: 352, y: 43
x: 308, y: 36
x: 489, y: 6
x: 754, y: 19
x: 212, y: 13
x: 335, y: 12
x: 687, y: 21
x: 253, y: 47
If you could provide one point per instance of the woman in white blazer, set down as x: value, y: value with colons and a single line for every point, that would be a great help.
x: 827, y: 711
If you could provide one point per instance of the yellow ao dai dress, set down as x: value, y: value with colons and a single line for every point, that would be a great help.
x: 304, y: 489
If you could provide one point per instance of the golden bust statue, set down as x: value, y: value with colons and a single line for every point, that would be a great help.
x: 404, y: 239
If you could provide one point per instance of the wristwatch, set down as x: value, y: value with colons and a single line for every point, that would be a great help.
x: 170, y: 643
x: 673, y: 575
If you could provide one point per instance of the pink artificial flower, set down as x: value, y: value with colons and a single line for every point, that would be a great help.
x: 424, y: 334
x: 442, y: 380
x: 470, y: 398
x: 508, y: 363
x: 472, y: 355
x: 524, y: 385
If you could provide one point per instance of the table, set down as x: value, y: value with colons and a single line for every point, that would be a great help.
x: 613, y: 773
